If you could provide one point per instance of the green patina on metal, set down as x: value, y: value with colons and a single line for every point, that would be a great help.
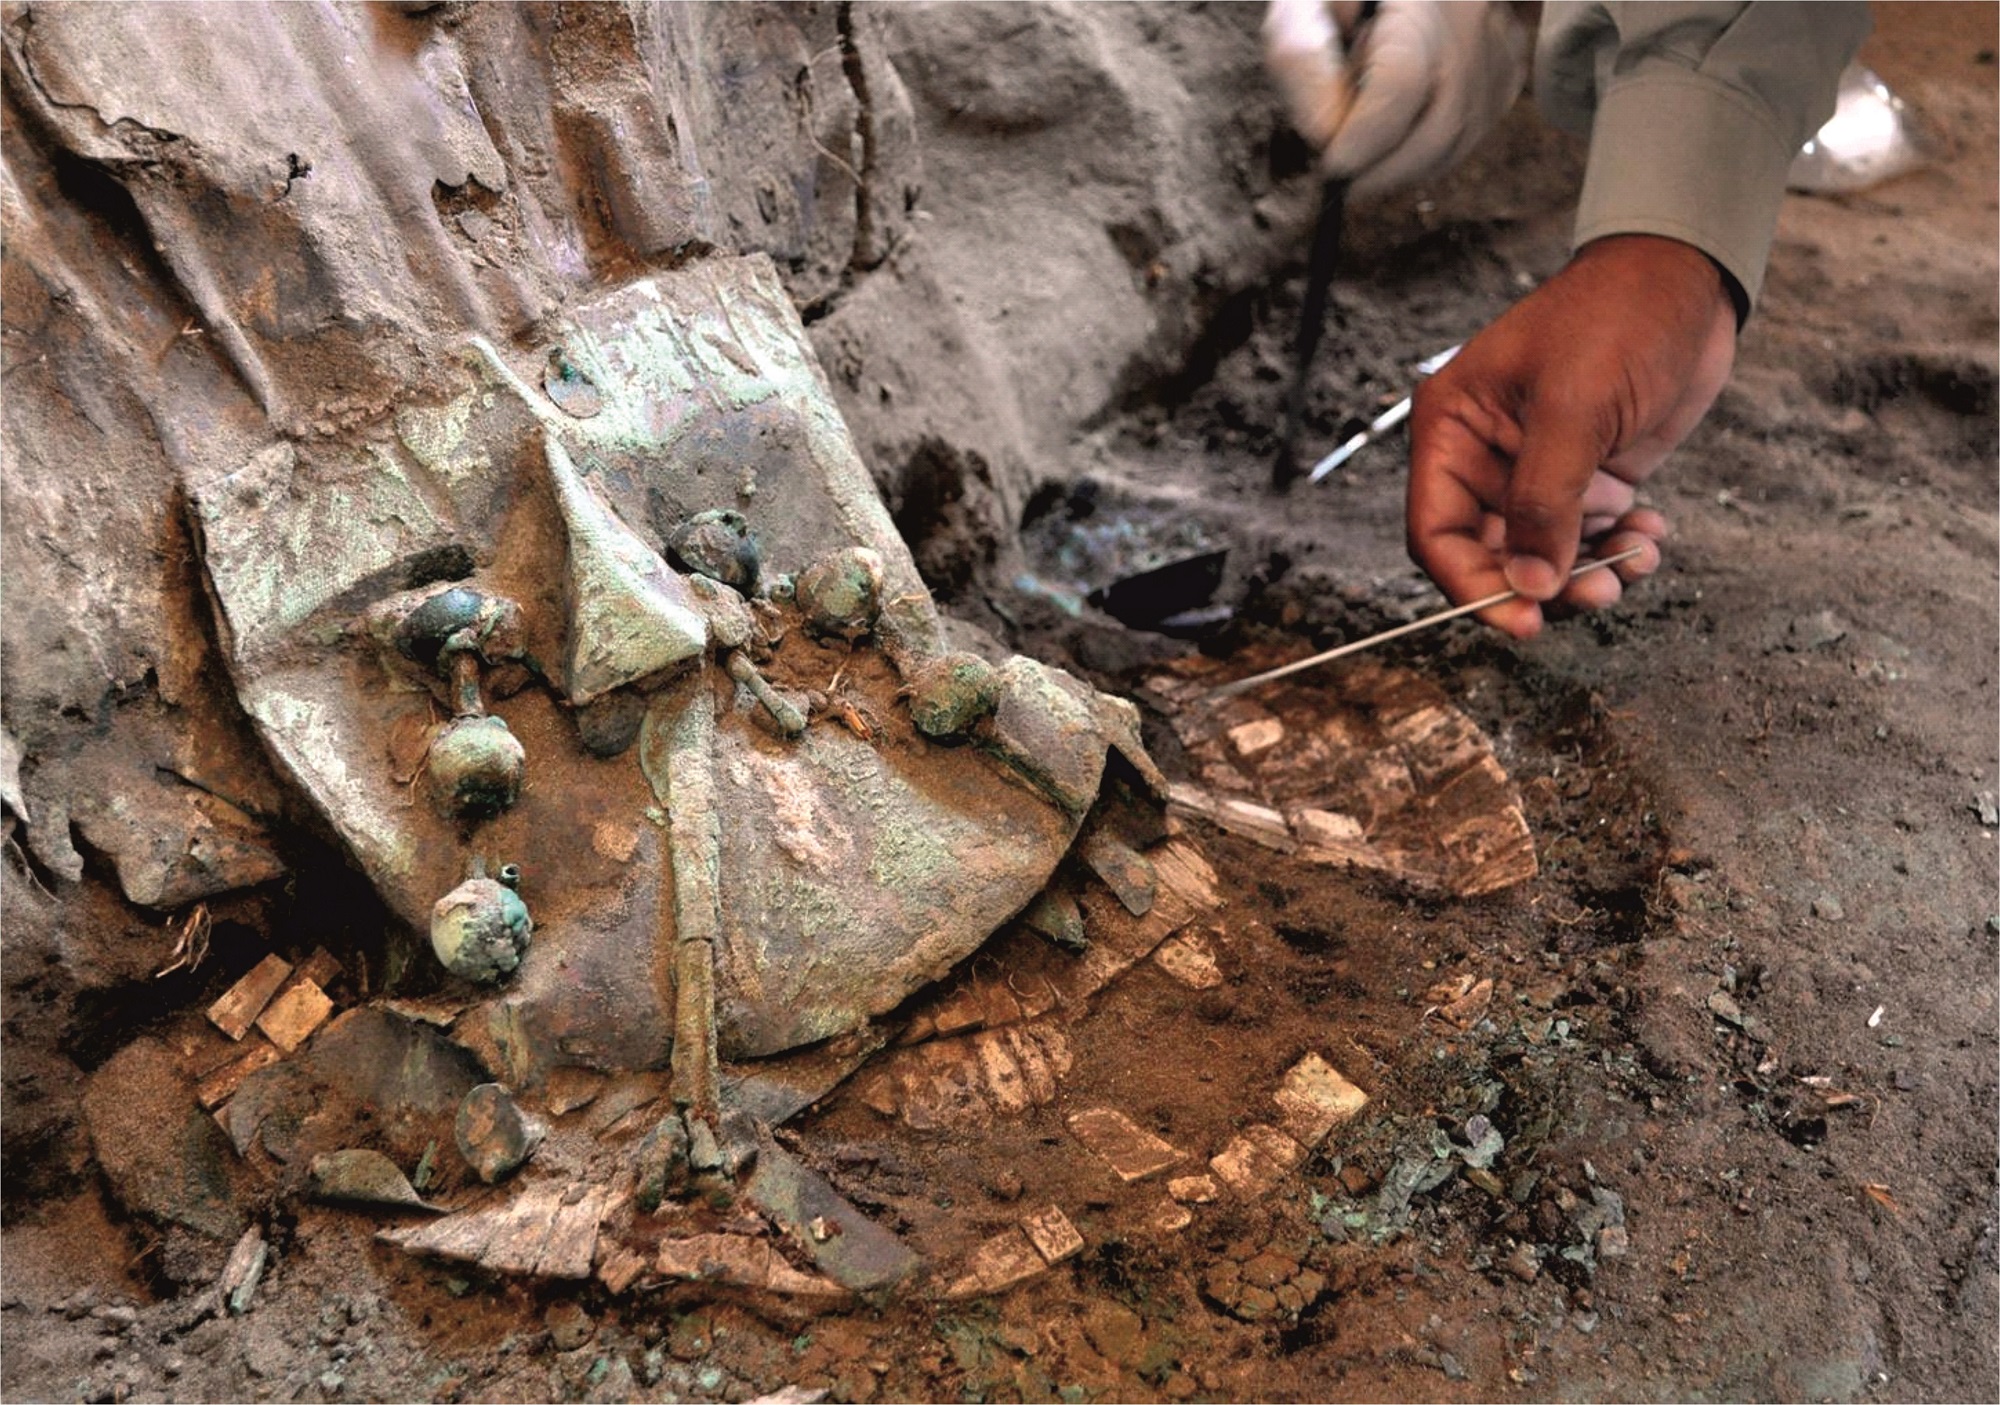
x: 308, y: 742
x: 785, y: 713
x: 809, y: 878
x: 1056, y: 916
x: 631, y: 618
x: 439, y: 437
x: 915, y: 860
x: 283, y: 542
x: 480, y: 929
x: 841, y: 594
x: 475, y: 766
x: 718, y: 544
x: 668, y: 354
x: 1046, y: 728
x: 677, y: 753
x: 951, y: 692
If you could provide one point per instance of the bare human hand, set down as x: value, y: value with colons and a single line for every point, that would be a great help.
x: 1532, y: 442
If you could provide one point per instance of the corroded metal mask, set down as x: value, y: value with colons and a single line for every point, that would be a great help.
x: 758, y: 767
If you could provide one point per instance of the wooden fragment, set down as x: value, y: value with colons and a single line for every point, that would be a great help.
x: 289, y: 1020
x: 1053, y: 1236
x: 1187, y: 959
x: 439, y: 1012
x: 523, y: 1229
x: 967, y: 1081
x: 239, y: 1007
x: 461, y: 1237
x: 620, y: 1267
x: 1260, y: 824
x: 572, y: 1241
x: 963, y: 1010
x: 1129, y: 1149
x: 215, y: 1090
x: 1349, y: 856
x: 1464, y: 1002
x: 320, y: 968
x: 742, y: 1262
x: 998, y: 1264
x: 1327, y: 828
x: 1191, y: 800
x: 1437, y: 741
x: 536, y: 1232
x: 1257, y: 1160
x: 1118, y: 941
x: 1249, y: 738
x: 1378, y: 770
x: 1314, y: 1098
x: 1185, y: 872
x: 1480, y: 827
x: 1192, y: 1190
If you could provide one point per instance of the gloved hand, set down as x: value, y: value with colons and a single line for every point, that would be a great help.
x: 1533, y: 441
x: 1401, y: 95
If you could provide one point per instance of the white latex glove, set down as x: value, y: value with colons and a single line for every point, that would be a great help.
x: 1401, y: 96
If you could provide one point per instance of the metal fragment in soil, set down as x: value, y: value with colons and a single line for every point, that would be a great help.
x: 493, y: 1134
x: 1124, y: 869
x: 845, y: 1244
x: 361, y: 1176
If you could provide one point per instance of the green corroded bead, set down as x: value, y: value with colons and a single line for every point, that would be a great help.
x: 475, y: 767
x: 951, y: 692
x: 718, y: 544
x: 480, y: 929
x: 841, y: 594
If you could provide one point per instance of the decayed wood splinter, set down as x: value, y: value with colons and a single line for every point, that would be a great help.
x: 1455, y: 612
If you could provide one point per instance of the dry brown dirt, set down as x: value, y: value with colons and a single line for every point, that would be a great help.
x: 1757, y: 778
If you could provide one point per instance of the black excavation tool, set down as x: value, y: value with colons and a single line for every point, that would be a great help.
x: 1153, y: 598
x: 1312, y: 323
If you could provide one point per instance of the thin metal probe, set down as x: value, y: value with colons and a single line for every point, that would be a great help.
x: 1382, y: 423
x: 1455, y: 612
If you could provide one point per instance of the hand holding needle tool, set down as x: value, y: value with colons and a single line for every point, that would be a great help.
x: 1312, y: 323
x: 1320, y: 265
x: 1382, y: 423
x: 1455, y: 612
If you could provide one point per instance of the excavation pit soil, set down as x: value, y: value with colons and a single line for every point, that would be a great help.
x: 1738, y: 1044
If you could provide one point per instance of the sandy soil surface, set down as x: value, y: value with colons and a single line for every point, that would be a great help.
x: 1741, y: 1042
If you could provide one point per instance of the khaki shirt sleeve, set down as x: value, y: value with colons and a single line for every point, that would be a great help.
x: 1694, y: 114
